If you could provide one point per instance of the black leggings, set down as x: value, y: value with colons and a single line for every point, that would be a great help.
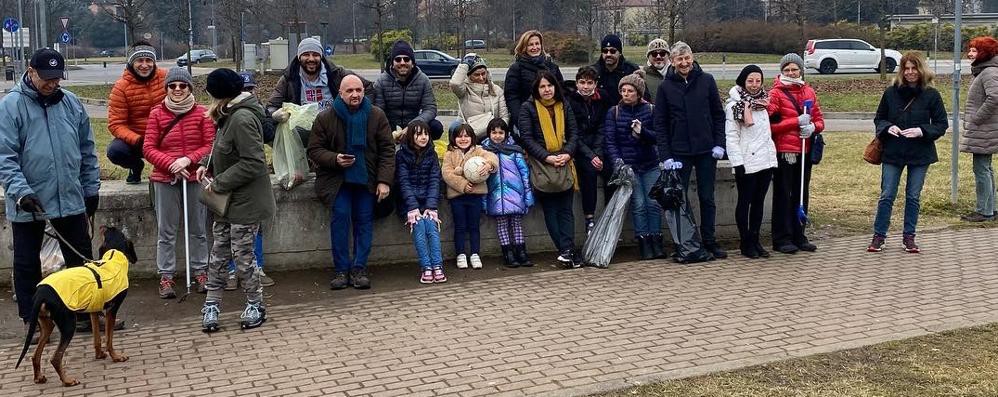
x: 752, y: 189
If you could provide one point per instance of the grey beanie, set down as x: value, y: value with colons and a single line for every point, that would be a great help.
x: 657, y: 45
x: 309, y: 44
x: 792, y: 58
x: 141, y: 51
x: 635, y: 81
x: 179, y: 74
x: 479, y: 63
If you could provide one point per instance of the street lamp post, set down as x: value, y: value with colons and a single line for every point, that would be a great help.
x: 353, y: 16
x: 954, y: 154
x: 935, y: 43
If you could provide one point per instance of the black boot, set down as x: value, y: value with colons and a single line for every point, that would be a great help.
x: 520, y: 255
x: 747, y: 245
x: 644, y: 247
x: 657, y: 247
x: 507, y: 257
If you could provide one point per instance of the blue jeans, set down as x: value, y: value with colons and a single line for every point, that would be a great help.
x: 257, y: 252
x: 645, y: 214
x: 353, y: 204
x: 467, y: 212
x: 705, y: 166
x: 426, y: 238
x: 984, y: 181
x: 890, y: 178
x: 122, y: 154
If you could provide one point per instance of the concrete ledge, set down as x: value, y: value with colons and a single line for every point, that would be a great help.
x: 298, y: 237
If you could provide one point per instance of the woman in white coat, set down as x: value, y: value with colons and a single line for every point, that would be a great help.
x: 752, y: 153
x: 479, y: 99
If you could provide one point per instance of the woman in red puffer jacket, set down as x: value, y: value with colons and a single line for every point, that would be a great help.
x: 790, y: 125
x: 178, y: 135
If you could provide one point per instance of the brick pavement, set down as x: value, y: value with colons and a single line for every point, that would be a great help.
x: 557, y: 333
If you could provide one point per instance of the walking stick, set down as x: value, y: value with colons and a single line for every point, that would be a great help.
x: 801, y: 213
x: 187, y: 241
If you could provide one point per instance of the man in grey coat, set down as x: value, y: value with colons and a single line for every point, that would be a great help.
x: 405, y: 93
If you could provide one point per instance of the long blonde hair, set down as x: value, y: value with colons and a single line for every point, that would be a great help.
x: 217, y: 108
x: 925, y: 75
x: 521, y: 45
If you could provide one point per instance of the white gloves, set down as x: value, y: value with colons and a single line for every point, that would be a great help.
x: 717, y: 152
x: 804, y: 119
x: 914, y: 132
x: 280, y: 116
x: 670, y: 164
x: 636, y: 128
x: 806, y: 131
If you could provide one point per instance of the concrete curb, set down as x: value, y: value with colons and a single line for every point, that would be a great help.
x: 93, y: 102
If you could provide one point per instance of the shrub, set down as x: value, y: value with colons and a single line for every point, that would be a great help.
x: 380, y: 50
x: 569, y: 48
x: 767, y: 38
x: 442, y: 42
x: 920, y: 36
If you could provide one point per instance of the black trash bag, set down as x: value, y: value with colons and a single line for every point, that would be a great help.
x: 602, y: 240
x: 669, y: 193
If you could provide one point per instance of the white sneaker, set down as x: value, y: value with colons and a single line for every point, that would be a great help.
x: 476, y: 262
x: 462, y: 261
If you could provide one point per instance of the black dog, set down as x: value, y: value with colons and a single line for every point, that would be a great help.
x: 92, y: 288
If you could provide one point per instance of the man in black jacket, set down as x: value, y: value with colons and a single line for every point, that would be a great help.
x: 309, y: 79
x: 612, y: 66
x: 691, y: 134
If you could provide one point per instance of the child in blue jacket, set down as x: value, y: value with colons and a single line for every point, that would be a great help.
x: 509, y: 195
x: 417, y: 175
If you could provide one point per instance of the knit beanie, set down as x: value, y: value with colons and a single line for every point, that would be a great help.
x: 611, y: 40
x: 635, y: 81
x: 479, y: 63
x: 792, y: 58
x: 141, y: 51
x: 309, y: 44
x: 657, y: 45
x: 401, y: 47
x: 746, y: 71
x: 179, y: 74
x: 224, y: 83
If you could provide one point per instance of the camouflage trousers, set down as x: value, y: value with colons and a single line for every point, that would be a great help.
x: 235, y: 242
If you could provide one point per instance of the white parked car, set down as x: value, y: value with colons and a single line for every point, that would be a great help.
x: 833, y: 54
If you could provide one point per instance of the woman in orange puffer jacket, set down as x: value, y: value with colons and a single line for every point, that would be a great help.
x: 179, y: 134
x: 791, y: 125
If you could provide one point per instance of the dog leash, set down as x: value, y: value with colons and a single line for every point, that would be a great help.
x: 58, y: 236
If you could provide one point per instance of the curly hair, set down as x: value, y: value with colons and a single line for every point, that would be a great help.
x: 987, y: 48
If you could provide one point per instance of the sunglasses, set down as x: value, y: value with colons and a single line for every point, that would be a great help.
x: 659, y: 54
x: 178, y: 86
x: 610, y: 51
x: 402, y: 59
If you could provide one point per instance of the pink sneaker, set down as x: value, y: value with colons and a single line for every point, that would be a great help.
x: 438, y: 275
x: 427, y: 277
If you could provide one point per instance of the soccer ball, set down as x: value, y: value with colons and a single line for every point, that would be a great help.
x: 472, y: 168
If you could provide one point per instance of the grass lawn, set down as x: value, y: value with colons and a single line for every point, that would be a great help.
x: 845, y: 189
x: 955, y: 363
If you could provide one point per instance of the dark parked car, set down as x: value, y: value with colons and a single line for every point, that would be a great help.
x: 435, y: 63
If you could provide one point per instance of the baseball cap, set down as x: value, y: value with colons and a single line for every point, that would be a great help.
x: 49, y: 64
x: 248, y: 81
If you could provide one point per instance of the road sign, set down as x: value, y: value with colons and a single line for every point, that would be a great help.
x: 65, y: 37
x: 328, y: 50
x: 11, y: 25
x: 65, y: 22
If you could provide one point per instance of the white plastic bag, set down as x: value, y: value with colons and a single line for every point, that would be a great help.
x: 51, y: 254
x: 290, y: 163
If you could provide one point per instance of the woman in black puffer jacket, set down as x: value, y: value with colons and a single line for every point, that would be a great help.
x: 530, y: 60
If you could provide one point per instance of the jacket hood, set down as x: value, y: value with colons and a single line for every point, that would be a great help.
x: 248, y: 102
x: 976, y: 69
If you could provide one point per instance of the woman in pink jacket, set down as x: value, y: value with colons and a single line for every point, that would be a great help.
x: 179, y: 134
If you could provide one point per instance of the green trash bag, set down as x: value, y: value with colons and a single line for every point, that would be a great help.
x: 290, y: 162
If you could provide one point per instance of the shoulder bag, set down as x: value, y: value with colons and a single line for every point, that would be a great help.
x: 874, y: 151
x: 217, y: 202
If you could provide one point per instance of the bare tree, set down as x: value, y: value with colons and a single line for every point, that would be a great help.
x: 129, y: 12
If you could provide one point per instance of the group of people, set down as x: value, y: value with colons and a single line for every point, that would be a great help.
x: 538, y: 138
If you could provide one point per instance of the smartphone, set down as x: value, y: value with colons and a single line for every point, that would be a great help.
x: 349, y: 156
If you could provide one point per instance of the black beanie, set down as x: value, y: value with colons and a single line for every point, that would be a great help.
x: 224, y: 83
x: 612, y: 40
x: 401, y: 48
x: 747, y: 70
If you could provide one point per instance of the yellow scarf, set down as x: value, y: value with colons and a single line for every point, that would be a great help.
x: 554, y: 134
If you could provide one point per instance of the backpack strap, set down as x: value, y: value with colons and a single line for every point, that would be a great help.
x: 793, y: 100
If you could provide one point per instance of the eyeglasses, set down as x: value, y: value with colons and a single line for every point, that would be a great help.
x: 177, y: 86
x: 659, y: 54
x: 402, y: 59
x: 610, y: 51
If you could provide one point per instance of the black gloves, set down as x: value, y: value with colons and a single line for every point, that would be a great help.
x: 30, y: 203
x: 91, y: 204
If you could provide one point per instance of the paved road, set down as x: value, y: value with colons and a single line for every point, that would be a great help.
x: 556, y: 333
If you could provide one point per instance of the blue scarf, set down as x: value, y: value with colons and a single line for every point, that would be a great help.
x: 356, y: 122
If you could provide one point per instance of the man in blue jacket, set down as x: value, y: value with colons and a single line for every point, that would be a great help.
x: 691, y: 133
x: 48, y: 166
